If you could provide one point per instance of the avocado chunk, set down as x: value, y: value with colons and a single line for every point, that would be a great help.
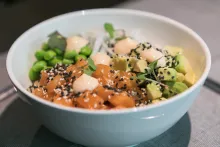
x: 182, y: 64
x: 168, y: 93
x: 189, y: 78
x: 173, y: 51
x: 121, y: 63
x: 140, y: 66
x: 153, y: 91
x: 166, y: 74
x: 169, y: 61
x: 180, y: 77
x: 132, y: 61
x: 158, y: 100
x: 174, y: 88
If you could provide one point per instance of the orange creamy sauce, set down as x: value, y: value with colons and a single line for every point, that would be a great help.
x: 116, y: 89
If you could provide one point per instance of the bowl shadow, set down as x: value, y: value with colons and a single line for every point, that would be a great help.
x: 177, y: 136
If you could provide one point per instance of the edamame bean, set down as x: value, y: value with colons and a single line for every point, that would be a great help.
x: 47, y: 67
x: 38, y: 66
x: 49, y: 55
x: 45, y: 46
x: 58, y: 51
x: 80, y: 56
x: 54, y: 61
x: 67, y: 61
x: 33, y: 75
x: 86, y: 50
x: 70, y: 54
x: 39, y: 54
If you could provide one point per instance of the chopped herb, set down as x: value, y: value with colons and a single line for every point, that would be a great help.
x: 120, y: 38
x: 88, y: 71
x: 110, y: 29
x: 152, y: 66
x: 91, y: 67
x: 56, y: 40
x: 91, y: 64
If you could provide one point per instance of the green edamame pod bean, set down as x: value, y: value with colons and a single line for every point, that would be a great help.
x: 58, y: 51
x: 47, y: 67
x: 80, y: 56
x: 67, y: 61
x: 33, y: 75
x: 54, y: 61
x: 70, y: 54
x: 38, y: 66
x: 59, y: 57
x: 86, y: 50
x: 45, y: 46
x: 49, y: 55
x: 39, y: 54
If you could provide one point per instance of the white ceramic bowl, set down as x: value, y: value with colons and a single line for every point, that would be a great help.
x: 109, y: 128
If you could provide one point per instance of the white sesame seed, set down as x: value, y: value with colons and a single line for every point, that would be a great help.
x: 86, y: 100
x: 109, y: 96
x: 65, y: 97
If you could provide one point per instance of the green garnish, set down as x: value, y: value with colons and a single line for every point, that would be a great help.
x: 120, y: 38
x: 91, y: 67
x: 56, y: 40
x: 88, y: 71
x: 110, y: 29
x: 91, y: 64
x: 152, y: 66
x: 142, y: 77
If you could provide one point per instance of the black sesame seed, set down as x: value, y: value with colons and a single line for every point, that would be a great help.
x: 112, y: 71
x: 172, y: 77
x: 116, y: 85
x: 168, y: 72
x: 149, y: 46
x: 168, y: 63
x: 77, y: 94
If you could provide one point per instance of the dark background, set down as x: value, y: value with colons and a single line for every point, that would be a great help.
x: 16, y: 16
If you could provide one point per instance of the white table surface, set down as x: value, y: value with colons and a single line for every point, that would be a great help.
x: 198, y: 128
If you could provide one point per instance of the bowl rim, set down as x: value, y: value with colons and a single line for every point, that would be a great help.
x: 110, y: 11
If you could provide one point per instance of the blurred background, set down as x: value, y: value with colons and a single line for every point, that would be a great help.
x: 16, y: 16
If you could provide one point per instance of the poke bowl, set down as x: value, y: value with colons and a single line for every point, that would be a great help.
x: 109, y: 77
